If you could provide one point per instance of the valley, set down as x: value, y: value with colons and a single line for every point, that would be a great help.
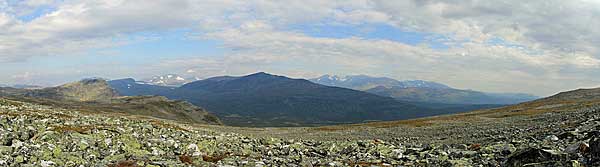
x: 557, y: 131
x: 266, y: 100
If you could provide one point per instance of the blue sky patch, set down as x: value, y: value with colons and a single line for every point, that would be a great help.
x: 36, y: 13
x: 377, y: 31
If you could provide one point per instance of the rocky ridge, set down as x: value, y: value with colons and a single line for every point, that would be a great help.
x: 97, y: 95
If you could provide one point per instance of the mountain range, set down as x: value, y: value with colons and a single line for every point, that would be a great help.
x: 365, y: 82
x: 420, y: 91
x: 22, y: 86
x: 263, y: 99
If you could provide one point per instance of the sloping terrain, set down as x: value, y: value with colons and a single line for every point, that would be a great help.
x: 561, y: 130
x: 84, y: 91
x: 558, y: 109
x: 448, y: 96
x: 96, y: 95
x: 420, y: 91
x: 556, y: 131
x: 262, y: 99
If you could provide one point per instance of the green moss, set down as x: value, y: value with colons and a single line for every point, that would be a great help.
x: 207, y: 146
x: 5, y: 150
x: 83, y: 145
x: 57, y: 152
x: 46, y: 154
x: 384, y: 150
x: 132, y: 146
x: 19, y: 159
x: 73, y: 158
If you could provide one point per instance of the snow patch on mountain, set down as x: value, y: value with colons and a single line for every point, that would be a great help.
x: 364, y: 82
x: 167, y: 80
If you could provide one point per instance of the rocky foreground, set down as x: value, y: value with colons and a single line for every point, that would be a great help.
x: 36, y: 135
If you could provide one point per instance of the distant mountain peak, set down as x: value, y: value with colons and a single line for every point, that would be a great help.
x: 365, y: 82
x: 258, y: 74
x: 126, y: 80
x: 172, y: 80
x: 332, y: 78
x: 91, y: 89
x: 87, y: 82
x: 251, y: 81
x: 22, y: 86
x: 418, y: 90
x: 261, y: 74
x: 263, y: 77
x: 91, y: 81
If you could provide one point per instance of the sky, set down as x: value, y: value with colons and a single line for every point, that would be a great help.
x: 539, y: 47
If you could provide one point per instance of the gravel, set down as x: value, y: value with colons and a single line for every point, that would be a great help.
x: 37, y: 135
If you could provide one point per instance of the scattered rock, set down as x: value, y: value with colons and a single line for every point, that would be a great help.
x: 37, y: 135
x: 577, y: 148
x: 552, y: 138
x: 594, y: 149
x: 534, y: 155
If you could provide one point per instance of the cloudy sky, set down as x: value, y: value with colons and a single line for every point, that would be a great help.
x: 535, y: 46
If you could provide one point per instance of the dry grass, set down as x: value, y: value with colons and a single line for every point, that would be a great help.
x: 186, y: 159
x: 524, y: 109
x: 128, y: 163
x: 215, y: 158
x: 533, y: 108
x: 475, y: 147
x: 332, y: 128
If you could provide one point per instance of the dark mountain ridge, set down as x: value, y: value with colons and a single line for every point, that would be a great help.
x: 263, y: 99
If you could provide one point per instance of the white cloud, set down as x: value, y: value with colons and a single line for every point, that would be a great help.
x: 568, y: 25
x: 23, y: 76
x: 554, y: 36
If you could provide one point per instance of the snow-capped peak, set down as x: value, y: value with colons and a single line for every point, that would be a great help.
x: 333, y: 78
x: 364, y: 82
x: 168, y: 80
